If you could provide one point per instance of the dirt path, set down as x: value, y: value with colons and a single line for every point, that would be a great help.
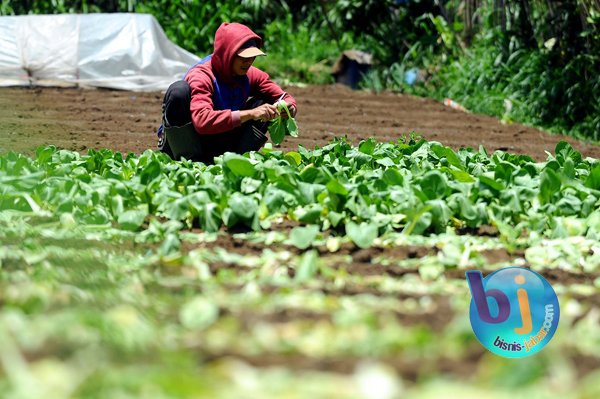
x: 78, y: 119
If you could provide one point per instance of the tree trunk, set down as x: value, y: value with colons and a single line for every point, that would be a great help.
x: 467, y: 11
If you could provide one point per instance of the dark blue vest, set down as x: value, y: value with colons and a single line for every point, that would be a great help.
x: 228, y: 96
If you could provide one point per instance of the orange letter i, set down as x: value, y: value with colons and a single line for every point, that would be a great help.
x: 523, y: 307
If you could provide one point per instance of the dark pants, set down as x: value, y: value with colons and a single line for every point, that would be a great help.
x: 183, y: 141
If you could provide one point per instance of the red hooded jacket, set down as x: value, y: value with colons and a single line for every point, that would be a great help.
x: 214, y: 75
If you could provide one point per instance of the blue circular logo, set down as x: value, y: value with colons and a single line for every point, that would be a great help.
x: 514, y: 311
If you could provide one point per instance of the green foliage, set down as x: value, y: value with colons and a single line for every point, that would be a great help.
x: 413, y: 186
x: 192, y: 23
x: 385, y: 28
x: 283, y: 125
x: 297, y: 52
x: 523, y: 86
x: 12, y: 7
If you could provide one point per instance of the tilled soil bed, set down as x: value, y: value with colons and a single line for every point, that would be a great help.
x: 78, y: 119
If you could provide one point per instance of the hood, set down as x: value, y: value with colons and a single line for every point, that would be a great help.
x: 229, y: 38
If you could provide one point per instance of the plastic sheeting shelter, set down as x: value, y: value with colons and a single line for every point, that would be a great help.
x: 121, y: 51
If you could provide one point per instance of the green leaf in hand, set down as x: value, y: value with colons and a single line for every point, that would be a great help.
x: 292, y: 127
x: 277, y: 130
x: 280, y: 127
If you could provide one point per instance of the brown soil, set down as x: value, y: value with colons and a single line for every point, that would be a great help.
x: 410, y: 369
x: 437, y: 319
x: 79, y: 119
x: 466, y: 369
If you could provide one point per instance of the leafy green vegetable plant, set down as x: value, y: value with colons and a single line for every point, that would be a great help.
x: 413, y: 186
x: 283, y: 125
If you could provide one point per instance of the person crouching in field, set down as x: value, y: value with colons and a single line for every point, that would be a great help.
x: 223, y: 103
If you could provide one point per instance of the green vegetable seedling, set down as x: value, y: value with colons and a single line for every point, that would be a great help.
x: 280, y: 126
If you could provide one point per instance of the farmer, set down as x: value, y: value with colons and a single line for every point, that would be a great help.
x: 223, y: 103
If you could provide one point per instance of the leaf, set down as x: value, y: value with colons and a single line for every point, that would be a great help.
x: 292, y: 127
x: 335, y: 218
x: 97, y: 216
x: 277, y: 131
x: 434, y: 184
x: 593, y: 180
x: 564, y: 150
x: 67, y: 221
x: 504, y: 171
x: 210, y: 217
x: 239, y: 165
x: 491, y: 183
x: 393, y: 177
x: 310, y: 213
x: 367, y: 146
x: 150, y: 172
x: 303, y: 237
x: 549, y: 185
x: 308, y: 266
x: 199, y: 313
x: 336, y: 187
x: 44, y: 154
x: 293, y: 157
x: 467, y: 210
x: 362, y: 234
x: 249, y: 185
x: 420, y: 221
x: 420, y: 225
x: 569, y: 168
x: 387, y: 162
x: 440, y: 214
x: 274, y: 199
x: 132, y: 219
x: 117, y: 205
x: 569, y: 205
x: 170, y: 244
x: 244, y: 207
x: 309, y: 173
x: 280, y: 126
x: 449, y: 154
x: 309, y: 191
x: 282, y: 106
x: 589, y: 205
x: 460, y: 176
x: 178, y: 209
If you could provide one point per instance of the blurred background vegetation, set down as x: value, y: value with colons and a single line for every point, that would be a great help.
x: 534, y: 62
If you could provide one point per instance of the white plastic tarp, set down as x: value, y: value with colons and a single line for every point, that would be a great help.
x: 121, y: 51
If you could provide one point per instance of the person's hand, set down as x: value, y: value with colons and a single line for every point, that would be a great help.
x: 291, y: 108
x: 265, y: 112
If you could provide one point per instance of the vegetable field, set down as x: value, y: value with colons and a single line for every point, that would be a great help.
x: 335, y: 271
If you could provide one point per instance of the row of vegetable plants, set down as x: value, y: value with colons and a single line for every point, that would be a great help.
x: 71, y: 293
x: 364, y: 191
